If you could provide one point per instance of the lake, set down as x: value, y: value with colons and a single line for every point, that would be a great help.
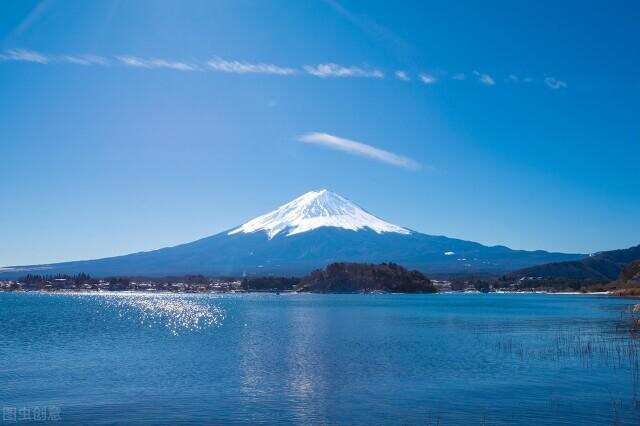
x: 318, y: 359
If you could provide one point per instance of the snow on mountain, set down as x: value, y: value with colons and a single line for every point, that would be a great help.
x: 313, y: 210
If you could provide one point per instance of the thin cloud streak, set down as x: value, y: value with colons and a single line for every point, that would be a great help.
x: 373, y: 29
x: 554, y: 83
x: 24, y: 56
x: 324, y: 70
x: 134, y: 61
x: 485, y: 79
x: 85, y: 59
x: 427, y: 78
x: 34, y: 16
x: 402, y: 75
x: 236, y: 67
x: 335, y: 70
x: 358, y: 148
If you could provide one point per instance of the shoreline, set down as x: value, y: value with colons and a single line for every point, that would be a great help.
x: 138, y: 292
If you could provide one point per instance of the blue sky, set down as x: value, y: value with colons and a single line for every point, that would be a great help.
x: 128, y: 126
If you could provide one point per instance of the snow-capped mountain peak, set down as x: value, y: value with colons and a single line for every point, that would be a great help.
x: 313, y: 210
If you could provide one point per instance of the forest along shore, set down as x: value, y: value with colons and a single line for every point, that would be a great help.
x: 335, y: 278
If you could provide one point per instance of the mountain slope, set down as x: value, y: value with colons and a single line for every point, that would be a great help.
x: 604, y: 266
x: 308, y: 233
x: 630, y: 275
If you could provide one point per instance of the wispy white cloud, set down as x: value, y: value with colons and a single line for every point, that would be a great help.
x: 40, y: 58
x: 373, y: 29
x: 84, y: 59
x: 402, y: 75
x: 427, y: 78
x: 134, y: 61
x: 485, y: 79
x: 554, y: 83
x: 324, y: 70
x: 36, y: 13
x: 359, y: 148
x: 236, y: 67
x: 180, y: 66
x: 25, y: 56
x: 335, y: 70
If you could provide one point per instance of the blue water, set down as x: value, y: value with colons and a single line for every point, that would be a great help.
x: 319, y: 359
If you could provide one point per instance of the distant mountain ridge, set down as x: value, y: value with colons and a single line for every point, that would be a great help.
x: 603, y: 266
x: 310, y: 232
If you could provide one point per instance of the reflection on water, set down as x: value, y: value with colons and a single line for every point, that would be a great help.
x: 306, y: 363
x: 284, y: 356
x: 176, y: 312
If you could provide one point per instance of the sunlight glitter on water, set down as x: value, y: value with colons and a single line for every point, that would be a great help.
x: 178, y: 313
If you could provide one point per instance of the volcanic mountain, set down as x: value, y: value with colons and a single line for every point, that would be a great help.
x: 315, y: 229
